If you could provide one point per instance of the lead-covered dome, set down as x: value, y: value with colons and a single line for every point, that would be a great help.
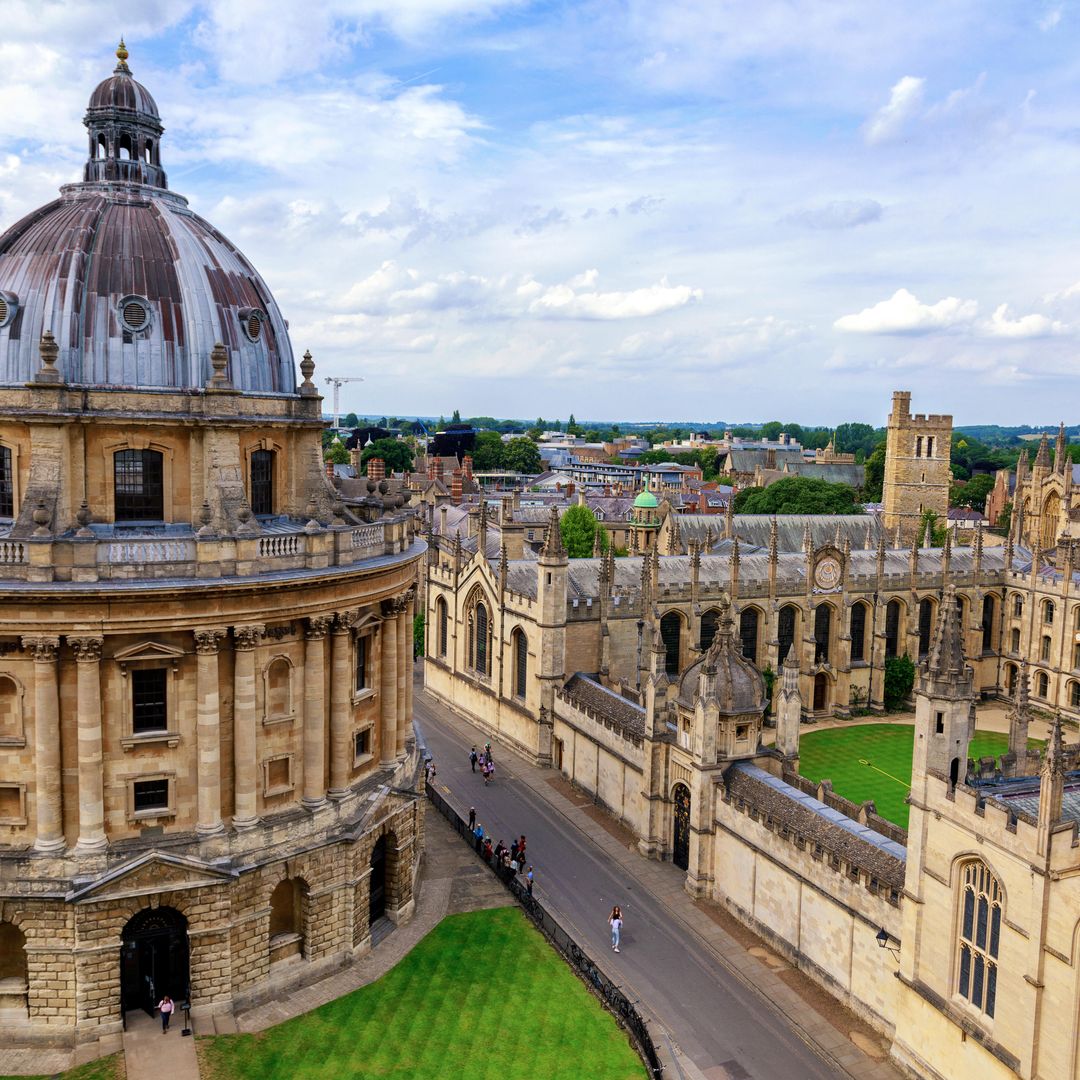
x: 135, y: 287
x: 724, y: 675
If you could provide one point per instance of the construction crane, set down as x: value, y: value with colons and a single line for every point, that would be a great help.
x: 336, y: 384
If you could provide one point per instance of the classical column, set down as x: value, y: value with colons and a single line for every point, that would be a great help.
x: 341, y: 686
x: 245, y: 760
x: 388, y: 682
x: 50, y: 820
x: 208, y: 731
x: 314, y: 711
x: 88, y: 707
x: 404, y: 667
x: 406, y: 727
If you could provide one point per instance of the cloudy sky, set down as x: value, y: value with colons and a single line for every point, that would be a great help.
x: 696, y: 209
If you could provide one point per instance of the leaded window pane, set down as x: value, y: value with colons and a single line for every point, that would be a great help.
x: 481, y: 639
x: 991, y: 988
x: 7, y: 484
x: 138, y: 481
x: 786, y: 631
x: 980, y: 923
x: 262, y: 482
x: 965, y: 971
x: 995, y: 930
x: 977, y: 980
x: 148, y: 700
x: 748, y: 634
x: 969, y: 911
x: 858, y: 632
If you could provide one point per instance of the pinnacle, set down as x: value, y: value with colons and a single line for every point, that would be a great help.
x: 946, y: 655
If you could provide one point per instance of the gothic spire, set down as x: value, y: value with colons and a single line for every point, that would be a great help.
x: 553, y: 546
x: 774, y: 540
x: 1060, y: 454
x: 946, y: 656
x: 1042, y: 458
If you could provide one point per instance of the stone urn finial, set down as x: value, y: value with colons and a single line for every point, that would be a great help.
x: 42, y: 517
x: 338, y: 510
x: 84, y: 517
x: 206, y: 515
x: 219, y: 361
x: 49, y: 351
x: 307, y: 369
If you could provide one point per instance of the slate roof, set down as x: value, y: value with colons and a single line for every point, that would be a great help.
x: 833, y: 472
x: 746, y: 461
x: 584, y: 690
x: 754, y: 529
x: 1022, y: 795
x: 812, y: 819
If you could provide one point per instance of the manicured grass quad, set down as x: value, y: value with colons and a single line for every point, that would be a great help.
x: 106, y: 1068
x: 873, y: 761
x: 482, y: 996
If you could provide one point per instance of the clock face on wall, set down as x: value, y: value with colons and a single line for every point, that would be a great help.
x: 827, y: 573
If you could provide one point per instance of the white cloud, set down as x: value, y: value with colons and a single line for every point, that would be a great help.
x: 902, y: 313
x: 905, y: 100
x: 563, y: 302
x: 845, y: 214
x: 1002, y: 325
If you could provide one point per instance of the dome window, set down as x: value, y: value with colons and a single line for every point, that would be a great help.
x: 252, y: 320
x: 9, y: 305
x: 135, y: 313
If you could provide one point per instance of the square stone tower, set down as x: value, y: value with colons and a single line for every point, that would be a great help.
x: 917, y: 473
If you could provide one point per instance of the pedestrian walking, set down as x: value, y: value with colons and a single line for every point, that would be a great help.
x: 165, y: 1007
x: 472, y: 819
x: 484, y: 770
x: 529, y: 881
x: 473, y: 758
x: 615, y: 921
x: 491, y: 770
x: 488, y: 851
x: 521, y: 845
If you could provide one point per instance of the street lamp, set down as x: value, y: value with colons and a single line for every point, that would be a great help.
x: 883, y: 937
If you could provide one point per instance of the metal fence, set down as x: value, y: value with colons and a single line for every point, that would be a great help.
x: 608, y: 992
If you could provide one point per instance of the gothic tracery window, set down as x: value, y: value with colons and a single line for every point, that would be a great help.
x: 479, y: 637
x: 981, y: 902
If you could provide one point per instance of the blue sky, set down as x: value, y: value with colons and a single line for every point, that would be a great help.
x: 690, y: 210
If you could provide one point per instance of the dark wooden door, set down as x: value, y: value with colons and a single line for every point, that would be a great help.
x: 680, y: 848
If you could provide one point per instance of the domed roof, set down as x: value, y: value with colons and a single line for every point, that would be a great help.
x: 646, y: 501
x: 731, y: 679
x: 135, y: 287
x: 121, y: 91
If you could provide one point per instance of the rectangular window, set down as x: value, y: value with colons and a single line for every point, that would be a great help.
x: 918, y: 446
x: 7, y: 484
x: 361, y: 663
x: 277, y: 773
x: 929, y: 445
x: 262, y: 482
x: 362, y: 743
x: 939, y: 723
x: 858, y: 633
x: 148, y: 700
x: 1018, y: 607
x: 138, y: 480
x: 150, y: 795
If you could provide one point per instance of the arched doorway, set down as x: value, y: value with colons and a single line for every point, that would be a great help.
x: 377, y: 882
x: 680, y: 847
x: 154, y: 959
x: 821, y: 692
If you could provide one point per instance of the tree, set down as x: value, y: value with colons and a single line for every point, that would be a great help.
x: 336, y: 454
x: 578, y: 529
x: 937, y: 529
x: 1004, y: 521
x: 798, y: 495
x: 874, y: 474
x: 572, y: 427
x: 973, y: 493
x: 899, y: 679
x: 396, y: 454
x: 487, y: 452
x: 521, y: 455
x: 456, y: 418
x: 351, y: 420
x: 418, y: 635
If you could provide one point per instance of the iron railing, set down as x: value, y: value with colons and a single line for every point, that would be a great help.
x: 610, y: 994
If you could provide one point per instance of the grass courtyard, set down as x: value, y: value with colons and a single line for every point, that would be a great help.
x: 482, y: 997
x: 873, y: 761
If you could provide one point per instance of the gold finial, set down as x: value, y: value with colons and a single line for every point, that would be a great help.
x: 121, y: 56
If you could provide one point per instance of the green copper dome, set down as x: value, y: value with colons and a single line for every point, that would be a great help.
x: 645, y: 501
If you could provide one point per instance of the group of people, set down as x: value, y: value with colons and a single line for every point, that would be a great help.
x: 484, y: 759
x: 508, y: 862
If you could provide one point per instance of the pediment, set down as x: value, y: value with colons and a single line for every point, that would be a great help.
x: 151, y: 872
x: 149, y: 650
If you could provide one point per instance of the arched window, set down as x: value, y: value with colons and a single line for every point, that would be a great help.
x: 521, y: 662
x: 1050, y: 517
x: 441, y: 623
x: 124, y: 148
x: 748, y: 633
x: 988, y: 624
x: 278, y: 689
x: 7, y: 484
x: 262, y: 482
x: 709, y: 622
x: 926, y: 624
x: 1010, y: 678
x: 1014, y: 639
x: 138, y: 478
x: 785, y: 630
x: 287, y: 919
x: 892, y: 628
x: 1044, y: 651
x: 981, y: 901
x: 102, y: 149
x: 1042, y: 684
x: 822, y: 633
x: 478, y: 639
x: 361, y: 655
x: 11, y: 719
x: 13, y: 969
x: 1048, y: 611
x: 671, y: 635
x: 857, y: 629
x: 1018, y: 605
x: 148, y: 152
x: 1074, y: 695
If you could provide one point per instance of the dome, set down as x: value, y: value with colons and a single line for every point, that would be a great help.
x: 135, y: 287
x: 734, y: 682
x: 645, y: 501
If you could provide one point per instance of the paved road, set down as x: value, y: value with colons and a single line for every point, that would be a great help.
x: 710, y: 1014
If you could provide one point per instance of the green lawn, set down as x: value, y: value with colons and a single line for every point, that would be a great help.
x: 106, y: 1068
x: 838, y: 754
x: 482, y: 996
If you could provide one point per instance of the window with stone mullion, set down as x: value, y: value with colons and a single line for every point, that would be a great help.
x: 980, y: 934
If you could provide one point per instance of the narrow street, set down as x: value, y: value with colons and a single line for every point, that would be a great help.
x: 714, y: 1018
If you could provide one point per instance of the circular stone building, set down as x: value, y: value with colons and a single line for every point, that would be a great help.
x: 207, y: 775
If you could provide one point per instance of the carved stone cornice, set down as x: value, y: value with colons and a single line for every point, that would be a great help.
x: 318, y: 626
x: 247, y: 637
x: 87, y: 648
x: 207, y: 642
x: 43, y: 649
